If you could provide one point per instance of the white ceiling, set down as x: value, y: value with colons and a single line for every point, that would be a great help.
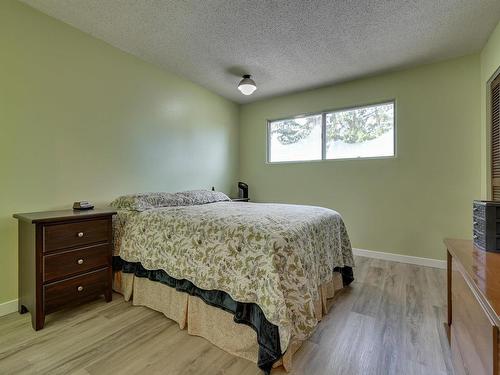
x: 287, y: 45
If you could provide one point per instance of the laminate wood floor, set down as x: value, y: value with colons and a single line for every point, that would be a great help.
x: 390, y: 321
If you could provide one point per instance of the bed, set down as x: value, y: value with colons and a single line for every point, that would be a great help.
x: 252, y: 278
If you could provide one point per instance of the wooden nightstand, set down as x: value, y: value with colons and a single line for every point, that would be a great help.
x: 65, y: 258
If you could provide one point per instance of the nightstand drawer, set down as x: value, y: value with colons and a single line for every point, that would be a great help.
x: 61, y: 236
x: 67, y: 263
x: 74, y: 290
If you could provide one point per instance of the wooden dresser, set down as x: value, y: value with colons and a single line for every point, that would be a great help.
x: 473, y: 308
x: 64, y: 259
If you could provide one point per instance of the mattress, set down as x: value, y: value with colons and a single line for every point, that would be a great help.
x: 265, y: 263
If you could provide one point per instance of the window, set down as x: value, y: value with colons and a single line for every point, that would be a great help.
x: 295, y: 139
x: 361, y: 132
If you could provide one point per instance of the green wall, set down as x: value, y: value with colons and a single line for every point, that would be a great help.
x: 404, y: 205
x: 490, y: 63
x: 80, y: 119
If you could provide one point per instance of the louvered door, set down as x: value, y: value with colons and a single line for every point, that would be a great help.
x: 495, y: 138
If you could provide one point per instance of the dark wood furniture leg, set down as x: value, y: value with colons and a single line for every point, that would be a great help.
x: 38, y: 320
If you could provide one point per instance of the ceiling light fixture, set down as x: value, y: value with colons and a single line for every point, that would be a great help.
x: 247, y: 85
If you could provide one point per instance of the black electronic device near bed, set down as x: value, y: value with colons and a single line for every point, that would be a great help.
x: 242, y: 190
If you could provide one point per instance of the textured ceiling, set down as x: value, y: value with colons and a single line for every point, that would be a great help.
x: 287, y: 45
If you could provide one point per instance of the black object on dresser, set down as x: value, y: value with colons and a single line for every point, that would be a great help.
x: 65, y: 258
x: 486, y: 225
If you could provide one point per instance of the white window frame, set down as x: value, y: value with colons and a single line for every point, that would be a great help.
x: 323, y: 133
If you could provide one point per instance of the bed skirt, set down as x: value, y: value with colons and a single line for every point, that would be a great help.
x: 209, y: 322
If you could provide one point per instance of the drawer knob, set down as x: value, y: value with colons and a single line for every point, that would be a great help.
x: 80, y: 234
x: 80, y: 288
x: 79, y: 261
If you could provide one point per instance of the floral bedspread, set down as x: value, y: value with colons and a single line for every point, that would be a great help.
x: 274, y: 255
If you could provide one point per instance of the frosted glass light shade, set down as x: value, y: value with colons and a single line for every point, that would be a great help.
x: 247, y: 85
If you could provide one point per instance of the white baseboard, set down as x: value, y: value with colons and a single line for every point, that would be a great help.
x: 8, y: 307
x: 428, y: 262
